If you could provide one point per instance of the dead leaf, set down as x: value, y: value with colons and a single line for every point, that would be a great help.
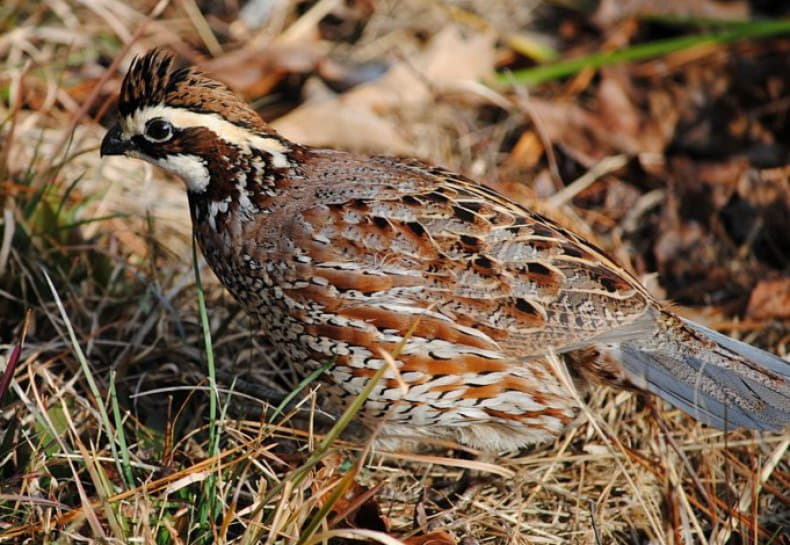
x: 770, y: 300
x: 365, y: 118
x: 568, y: 124
x: 256, y: 71
x: 343, y: 77
x: 359, y: 508
x: 626, y: 125
x: 527, y: 151
x: 616, y: 122
x: 342, y: 124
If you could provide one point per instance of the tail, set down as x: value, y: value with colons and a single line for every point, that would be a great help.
x: 717, y: 380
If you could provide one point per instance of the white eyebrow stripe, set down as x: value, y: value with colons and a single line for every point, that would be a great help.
x: 224, y: 129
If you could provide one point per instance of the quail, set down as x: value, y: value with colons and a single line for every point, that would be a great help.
x: 342, y: 256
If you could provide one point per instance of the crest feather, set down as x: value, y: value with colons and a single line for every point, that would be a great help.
x: 153, y: 79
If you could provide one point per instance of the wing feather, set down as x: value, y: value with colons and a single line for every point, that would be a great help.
x: 480, y: 259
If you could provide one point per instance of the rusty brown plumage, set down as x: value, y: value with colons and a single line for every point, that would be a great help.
x: 341, y: 256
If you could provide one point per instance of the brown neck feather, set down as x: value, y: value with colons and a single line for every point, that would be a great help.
x: 247, y: 180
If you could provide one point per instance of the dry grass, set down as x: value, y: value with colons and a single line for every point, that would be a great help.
x: 106, y: 432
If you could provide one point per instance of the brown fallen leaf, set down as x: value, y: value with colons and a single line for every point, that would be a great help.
x: 626, y: 125
x: 254, y: 72
x: 359, y: 508
x: 365, y: 118
x: 527, y: 151
x: 615, y: 123
x: 770, y: 300
x: 336, y: 123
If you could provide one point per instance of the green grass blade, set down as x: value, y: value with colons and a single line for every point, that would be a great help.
x: 209, y: 507
x: 88, y: 221
x: 86, y: 370
x: 340, y: 489
x: 560, y: 69
x: 65, y: 195
x: 116, y: 413
x: 299, y: 474
x: 301, y: 386
x: 345, y: 419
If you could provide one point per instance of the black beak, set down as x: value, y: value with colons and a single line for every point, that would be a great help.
x: 113, y: 143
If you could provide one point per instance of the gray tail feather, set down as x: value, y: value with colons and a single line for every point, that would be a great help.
x: 714, y: 378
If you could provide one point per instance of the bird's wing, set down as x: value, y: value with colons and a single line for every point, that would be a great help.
x: 396, y: 241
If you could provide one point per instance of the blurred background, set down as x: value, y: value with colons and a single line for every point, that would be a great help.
x: 659, y: 130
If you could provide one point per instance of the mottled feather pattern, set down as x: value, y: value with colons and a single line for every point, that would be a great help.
x: 342, y: 256
x: 153, y: 80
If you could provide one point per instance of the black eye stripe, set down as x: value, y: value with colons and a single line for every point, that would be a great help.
x: 150, y: 149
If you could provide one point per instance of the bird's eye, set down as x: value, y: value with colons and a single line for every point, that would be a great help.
x: 158, y: 130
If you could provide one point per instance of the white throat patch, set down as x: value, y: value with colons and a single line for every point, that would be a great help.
x: 189, y: 168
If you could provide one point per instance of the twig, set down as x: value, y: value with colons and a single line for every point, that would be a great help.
x: 596, y: 532
x: 602, y: 168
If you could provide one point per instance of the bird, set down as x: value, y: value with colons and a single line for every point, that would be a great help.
x: 469, y: 297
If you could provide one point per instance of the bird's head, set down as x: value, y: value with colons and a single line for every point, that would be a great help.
x: 183, y: 121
